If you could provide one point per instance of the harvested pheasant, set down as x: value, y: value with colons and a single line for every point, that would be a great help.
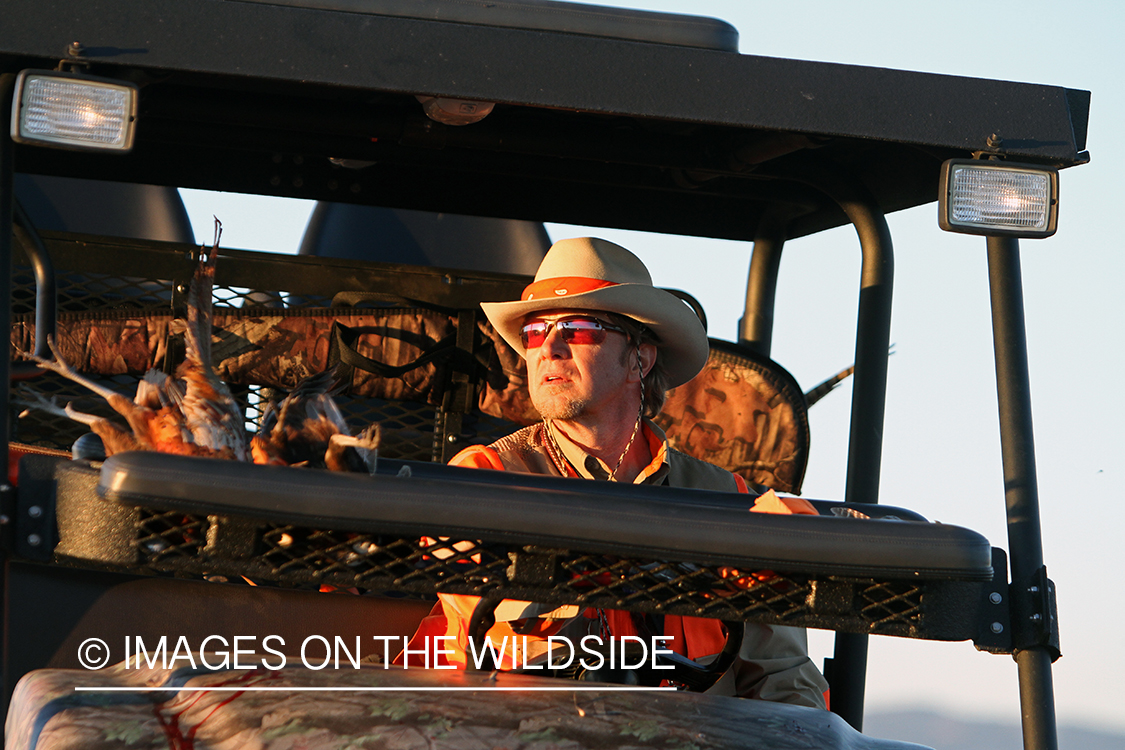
x: 195, y: 414
x: 192, y: 416
x: 210, y: 414
x: 308, y: 429
x: 114, y: 438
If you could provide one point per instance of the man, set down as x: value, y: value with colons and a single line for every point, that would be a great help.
x: 602, y: 346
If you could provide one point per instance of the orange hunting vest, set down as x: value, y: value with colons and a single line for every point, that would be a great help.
x: 526, y: 451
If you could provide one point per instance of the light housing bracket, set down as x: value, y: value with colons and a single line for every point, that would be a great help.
x: 74, y: 111
x: 998, y: 198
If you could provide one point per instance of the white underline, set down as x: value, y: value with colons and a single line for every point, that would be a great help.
x: 254, y: 689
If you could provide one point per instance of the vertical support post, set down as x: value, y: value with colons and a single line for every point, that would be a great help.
x: 1021, y: 491
x: 7, y: 191
x: 46, y: 295
x: 873, y: 336
x: 7, y: 198
x: 869, y: 390
x: 756, y: 326
x: 457, y: 401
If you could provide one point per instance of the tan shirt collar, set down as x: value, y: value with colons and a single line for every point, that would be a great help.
x: 591, y: 467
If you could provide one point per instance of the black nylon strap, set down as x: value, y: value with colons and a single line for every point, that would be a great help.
x: 342, y: 349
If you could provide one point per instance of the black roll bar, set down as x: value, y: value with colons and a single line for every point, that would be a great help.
x: 7, y: 199
x: 46, y: 293
x: 756, y: 327
x: 869, y: 394
x: 46, y: 287
x: 7, y: 499
x: 1034, y: 622
x: 873, y: 331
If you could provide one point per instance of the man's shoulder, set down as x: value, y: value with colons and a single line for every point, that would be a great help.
x: 520, y: 442
x: 478, y: 457
x: 691, y: 472
x: 525, y: 439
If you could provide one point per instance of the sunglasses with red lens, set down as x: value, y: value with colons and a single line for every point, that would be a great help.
x: 579, y: 330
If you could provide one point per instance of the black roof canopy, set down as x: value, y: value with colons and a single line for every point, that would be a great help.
x: 678, y: 135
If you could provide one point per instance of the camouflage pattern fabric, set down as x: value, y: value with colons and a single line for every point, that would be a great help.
x: 505, y: 394
x: 258, y: 346
x: 743, y: 413
x: 104, y: 343
x: 483, y: 712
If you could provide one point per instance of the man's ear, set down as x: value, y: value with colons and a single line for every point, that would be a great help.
x: 648, y: 357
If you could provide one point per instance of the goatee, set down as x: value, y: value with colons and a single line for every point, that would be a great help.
x: 561, y: 408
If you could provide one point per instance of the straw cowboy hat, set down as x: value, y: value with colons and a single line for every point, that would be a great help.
x: 586, y: 273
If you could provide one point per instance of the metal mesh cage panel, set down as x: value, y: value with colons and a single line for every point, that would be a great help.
x: 709, y: 591
x: 101, y: 291
x: 163, y: 535
x: 410, y: 430
x: 293, y: 555
x: 38, y: 427
x: 892, y: 601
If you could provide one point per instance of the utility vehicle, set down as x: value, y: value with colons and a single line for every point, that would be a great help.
x: 419, y: 125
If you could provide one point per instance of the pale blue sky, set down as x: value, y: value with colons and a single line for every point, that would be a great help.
x: 941, y: 453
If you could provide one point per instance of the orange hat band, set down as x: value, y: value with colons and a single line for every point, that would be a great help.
x: 563, y: 286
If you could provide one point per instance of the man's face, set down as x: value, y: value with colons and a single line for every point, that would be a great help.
x: 569, y: 380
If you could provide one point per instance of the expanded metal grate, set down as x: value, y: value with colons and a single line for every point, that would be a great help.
x: 90, y: 290
x: 408, y: 428
x: 711, y: 591
x: 100, y: 291
x: 891, y: 601
x: 36, y: 426
x: 23, y: 290
x: 293, y: 555
x: 373, y: 560
x: 163, y: 535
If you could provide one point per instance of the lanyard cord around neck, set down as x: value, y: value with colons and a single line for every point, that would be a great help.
x: 557, y: 451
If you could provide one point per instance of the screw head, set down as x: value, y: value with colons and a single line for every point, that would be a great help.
x: 35, y: 511
x: 997, y: 628
x: 995, y: 597
x: 34, y: 540
x: 451, y: 438
x: 181, y: 288
x: 1036, y: 617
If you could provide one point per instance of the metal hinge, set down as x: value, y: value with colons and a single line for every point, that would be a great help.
x: 7, y: 515
x: 1037, y: 610
x: 994, y: 631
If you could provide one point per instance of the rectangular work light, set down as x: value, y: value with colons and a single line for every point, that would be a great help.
x: 998, y: 198
x: 67, y: 110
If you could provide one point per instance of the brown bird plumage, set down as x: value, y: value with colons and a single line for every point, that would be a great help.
x: 194, y: 415
x: 308, y: 429
x: 210, y: 413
